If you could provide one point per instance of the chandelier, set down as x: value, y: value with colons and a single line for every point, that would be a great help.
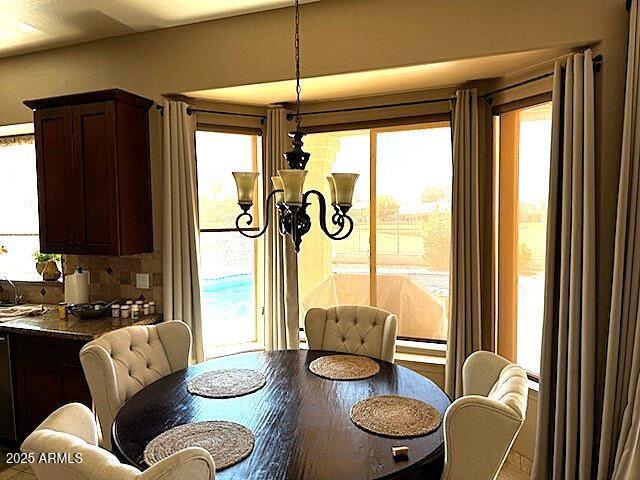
x: 291, y: 201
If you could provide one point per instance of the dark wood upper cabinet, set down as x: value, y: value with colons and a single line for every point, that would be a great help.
x: 94, y: 177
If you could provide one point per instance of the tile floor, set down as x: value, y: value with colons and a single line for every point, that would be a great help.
x: 13, y: 472
x: 509, y: 472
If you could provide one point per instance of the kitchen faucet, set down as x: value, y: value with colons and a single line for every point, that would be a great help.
x: 16, y: 298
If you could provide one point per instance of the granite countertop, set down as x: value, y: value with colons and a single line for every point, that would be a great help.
x: 49, y: 325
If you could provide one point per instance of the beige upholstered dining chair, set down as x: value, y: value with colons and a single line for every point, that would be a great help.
x: 72, y: 432
x: 119, y: 364
x: 481, y: 426
x: 354, y: 329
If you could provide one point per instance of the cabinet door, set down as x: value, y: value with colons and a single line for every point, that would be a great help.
x: 38, y: 393
x: 58, y: 210
x: 47, y: 376
x: 94, y: 144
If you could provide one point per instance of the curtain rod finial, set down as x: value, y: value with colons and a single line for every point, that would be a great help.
x: 597, y: 63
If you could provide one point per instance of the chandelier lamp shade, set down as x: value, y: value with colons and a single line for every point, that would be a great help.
x: 290, y: 199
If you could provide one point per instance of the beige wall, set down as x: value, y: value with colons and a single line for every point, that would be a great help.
x: 338, y: 36
x: 342, y: 36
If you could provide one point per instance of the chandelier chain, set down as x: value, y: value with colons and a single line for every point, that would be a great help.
x: 297, y: 49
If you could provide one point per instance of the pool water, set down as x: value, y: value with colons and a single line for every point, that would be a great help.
x: 228, y: 309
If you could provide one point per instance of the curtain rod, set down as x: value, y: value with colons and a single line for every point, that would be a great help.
x: 190, y: 111
x: 487, y: 96
x: 374, y: 107
x: 597, y: 66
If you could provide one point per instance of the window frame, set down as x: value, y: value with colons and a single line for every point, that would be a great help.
x: 258, y: 154
x: 505, y: 311
x: 417, y: 122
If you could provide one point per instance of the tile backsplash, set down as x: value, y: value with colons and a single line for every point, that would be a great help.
x: 33, y: 292
x: 115, y: 277
x: 110, y: 278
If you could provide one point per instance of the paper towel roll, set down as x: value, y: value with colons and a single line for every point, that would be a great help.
x: 76, y: 287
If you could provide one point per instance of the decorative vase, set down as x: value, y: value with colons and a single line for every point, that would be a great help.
x: 51, y: 272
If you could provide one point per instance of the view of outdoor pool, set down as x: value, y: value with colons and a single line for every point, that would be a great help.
x: 227, y: 302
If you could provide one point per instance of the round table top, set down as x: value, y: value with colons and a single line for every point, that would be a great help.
x: 300, y: 421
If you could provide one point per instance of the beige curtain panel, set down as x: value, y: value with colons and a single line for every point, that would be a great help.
x: 619, y: 455
x: 281, y: 312
x: 565, y: 434
x: 464, y: 335
x: 180, y: 225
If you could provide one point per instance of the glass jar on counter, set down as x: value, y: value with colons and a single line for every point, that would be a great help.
x: 125, y: 311
x: 152, y: 308
x: 63, y: 312
x: 115, y: 310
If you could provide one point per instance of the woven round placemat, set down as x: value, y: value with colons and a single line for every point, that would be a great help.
x: 227, y: 442
x: 228, y: 383
x: 344, y: 367
x: 395, y: 416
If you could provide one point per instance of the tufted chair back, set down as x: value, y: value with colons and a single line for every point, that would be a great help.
x: 481, y: 426
x: 119, y: 364
x: 72, y: 432
x: 354, y: 329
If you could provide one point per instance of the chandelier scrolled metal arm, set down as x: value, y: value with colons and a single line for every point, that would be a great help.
x: 295, y: 221
x: 339, y: 218
x: 245, y: 213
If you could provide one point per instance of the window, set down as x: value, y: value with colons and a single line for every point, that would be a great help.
x: 19, y: 198
x: 523, y: 146
x: 228, y: 261
x: 397, y: 257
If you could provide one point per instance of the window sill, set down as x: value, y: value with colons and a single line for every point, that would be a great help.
x: 409, y: 351
x: 35, y: 283
x: 422, y: 348
x: 420, y: 358
x: 223, y: 351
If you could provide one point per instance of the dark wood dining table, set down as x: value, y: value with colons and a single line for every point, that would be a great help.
x: 300, y: 421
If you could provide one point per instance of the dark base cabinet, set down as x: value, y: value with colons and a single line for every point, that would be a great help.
x: 47, y: 375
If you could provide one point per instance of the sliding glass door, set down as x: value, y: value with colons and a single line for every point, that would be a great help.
x: 397, y: 258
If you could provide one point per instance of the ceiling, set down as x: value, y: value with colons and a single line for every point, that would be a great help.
x: 32, y: 25
x: 380, y: 82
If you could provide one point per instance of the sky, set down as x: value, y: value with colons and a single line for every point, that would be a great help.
x: 534, y: 155
x: 407, y: 162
